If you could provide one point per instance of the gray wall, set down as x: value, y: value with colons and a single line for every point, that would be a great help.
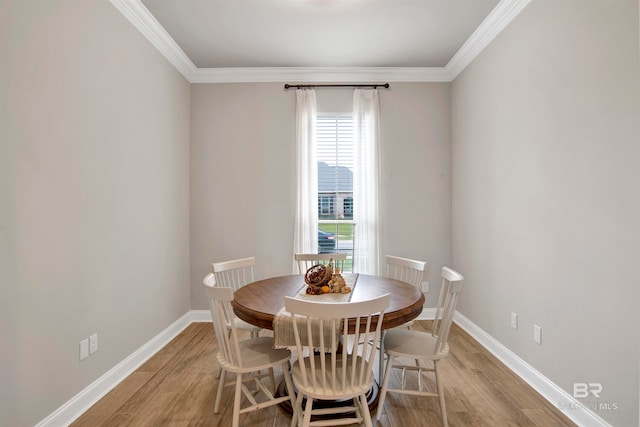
x: 546, y: 193
x: 243, y: 174
x: 95, y: 183
x: 94, y: 198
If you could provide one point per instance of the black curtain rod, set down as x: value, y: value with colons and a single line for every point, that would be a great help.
x: 375, y: 86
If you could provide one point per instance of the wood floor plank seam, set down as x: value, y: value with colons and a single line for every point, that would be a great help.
x: 177, y: 386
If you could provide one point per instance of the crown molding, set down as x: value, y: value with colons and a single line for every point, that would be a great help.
x: 494, y: 23
x: 145, y: 22
x: 320, y: 74
x: 149, y: 26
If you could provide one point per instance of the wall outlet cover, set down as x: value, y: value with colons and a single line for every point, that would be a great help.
x: 537, y: 334
x: 84, y: 349
x: 93, y: 343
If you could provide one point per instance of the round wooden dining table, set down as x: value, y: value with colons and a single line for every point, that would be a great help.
x: 258, y: 303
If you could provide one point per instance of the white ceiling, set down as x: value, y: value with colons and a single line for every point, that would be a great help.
x: 320, y: 33
x: 320, y: 40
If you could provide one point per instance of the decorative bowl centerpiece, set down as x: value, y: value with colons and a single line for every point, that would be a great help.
x: 317, y: 277
x: 324, y: 279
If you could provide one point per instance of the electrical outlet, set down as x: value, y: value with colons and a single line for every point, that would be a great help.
x: 84, y: 349
x: 537, y: 334
x: 514, y: 321
x: 93, y: 343
x: 425, y: 286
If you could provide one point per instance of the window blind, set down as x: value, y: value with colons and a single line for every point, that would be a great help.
x: 335, y: 166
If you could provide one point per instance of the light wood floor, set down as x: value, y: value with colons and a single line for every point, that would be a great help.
x: 177, y: 387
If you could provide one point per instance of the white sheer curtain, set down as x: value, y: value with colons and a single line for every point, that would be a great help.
x: 305, y: 235
x: 366, y: 131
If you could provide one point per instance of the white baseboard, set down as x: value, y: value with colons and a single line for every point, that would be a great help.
x: 200, y: 315
x: 427, y: 314
x: 79, y: 404
x: 572, y: 408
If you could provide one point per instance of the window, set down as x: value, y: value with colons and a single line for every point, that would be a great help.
x: 347, y: 161
x: 325, y: 205
x: 334, y: 136
x: 335, y: 155
x: 348, y: 206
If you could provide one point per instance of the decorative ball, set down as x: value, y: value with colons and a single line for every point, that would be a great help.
x: 318, y: 275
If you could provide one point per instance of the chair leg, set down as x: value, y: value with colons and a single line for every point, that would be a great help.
x: 307, y: 412
x: 221, y: 380
x: 236, y: 401
x: 381, y: 355
x: 366, y: 415
x: 357, y: 408
x: 297, y: 407
x: 383, y: 391
x: 289, y: 383
x: 443, y: 409
x: 272, y: 379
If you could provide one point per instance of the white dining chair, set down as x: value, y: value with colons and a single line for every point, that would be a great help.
x: 425, y: 347
x: 336, y: 369
x: 406, y: 270
x: 210, y: 281
x: 306, y: 261
x: 247, y: 359
x: 235, y: 274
